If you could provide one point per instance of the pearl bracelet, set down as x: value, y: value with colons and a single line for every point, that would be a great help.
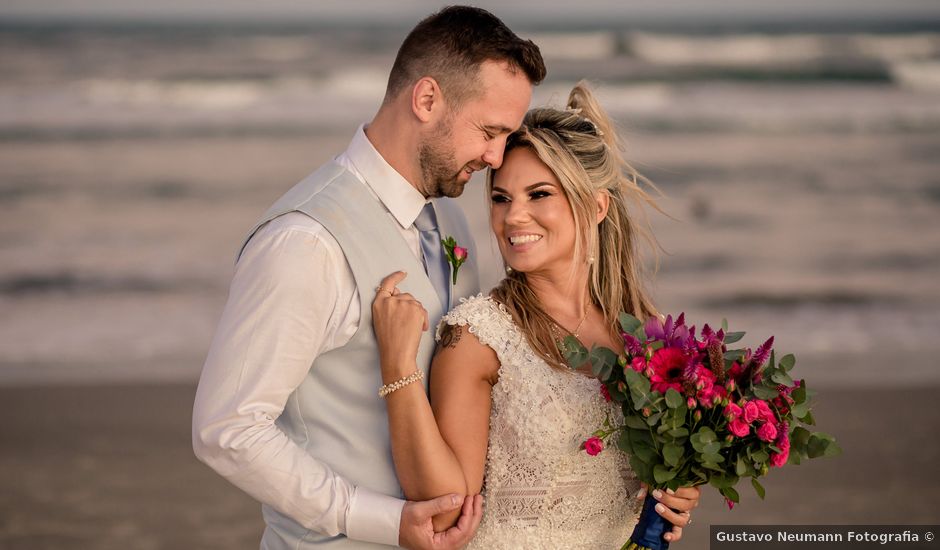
x: 394, y: 386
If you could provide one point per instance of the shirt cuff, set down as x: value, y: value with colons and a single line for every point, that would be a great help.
x: 373, y: 517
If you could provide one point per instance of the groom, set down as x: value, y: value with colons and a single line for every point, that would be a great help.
x: 287, y: 407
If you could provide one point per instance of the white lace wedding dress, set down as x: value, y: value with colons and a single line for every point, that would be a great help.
x: 541, y: 489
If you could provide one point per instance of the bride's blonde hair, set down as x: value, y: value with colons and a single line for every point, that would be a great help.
x: 579, y: 144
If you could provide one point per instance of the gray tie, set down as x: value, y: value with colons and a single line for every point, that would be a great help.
x: 435, y: 263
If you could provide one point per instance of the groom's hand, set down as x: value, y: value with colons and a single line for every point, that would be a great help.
x: 417, y: 532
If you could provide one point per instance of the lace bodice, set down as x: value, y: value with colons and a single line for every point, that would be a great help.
x: 541, y: 490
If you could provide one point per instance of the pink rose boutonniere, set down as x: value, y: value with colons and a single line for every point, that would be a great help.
x: 456, y: 256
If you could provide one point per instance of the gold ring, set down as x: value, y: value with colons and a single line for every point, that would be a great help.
x: 380, y: 289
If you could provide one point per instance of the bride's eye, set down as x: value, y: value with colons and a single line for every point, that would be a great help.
x: 539, y: 194
x: 499, y: 198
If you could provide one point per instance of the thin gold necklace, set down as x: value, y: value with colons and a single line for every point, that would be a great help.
x: 577, y: 328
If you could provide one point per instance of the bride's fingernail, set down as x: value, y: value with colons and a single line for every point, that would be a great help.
x: 660, y: 508
x: 657, y: 494
x: 670, y: 491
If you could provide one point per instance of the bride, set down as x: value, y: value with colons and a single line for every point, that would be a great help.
x: 506, y: 415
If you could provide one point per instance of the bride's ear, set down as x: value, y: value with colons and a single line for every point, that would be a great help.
x: 603, y: 203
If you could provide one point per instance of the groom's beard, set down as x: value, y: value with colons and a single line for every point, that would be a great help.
x: 437, y: 159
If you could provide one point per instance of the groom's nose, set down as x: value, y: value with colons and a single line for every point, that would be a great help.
x: 493, y: 156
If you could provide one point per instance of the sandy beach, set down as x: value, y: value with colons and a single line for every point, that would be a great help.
x: 110, y: 467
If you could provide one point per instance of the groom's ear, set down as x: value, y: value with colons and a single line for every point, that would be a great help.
x: 426, y: 99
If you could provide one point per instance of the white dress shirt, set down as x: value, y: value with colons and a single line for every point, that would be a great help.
x: 292, y: 298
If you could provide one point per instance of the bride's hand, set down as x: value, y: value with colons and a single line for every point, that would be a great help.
x: 675, y: 506
x: 398, y: 319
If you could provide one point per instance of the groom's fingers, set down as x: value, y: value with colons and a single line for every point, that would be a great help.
x: 430, y: 508
x: 466, y: 514
x: 470, y: 517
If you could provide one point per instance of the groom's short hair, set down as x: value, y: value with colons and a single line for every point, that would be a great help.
x: 450, y: 45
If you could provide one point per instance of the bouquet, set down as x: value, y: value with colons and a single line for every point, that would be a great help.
x: 695, y: 412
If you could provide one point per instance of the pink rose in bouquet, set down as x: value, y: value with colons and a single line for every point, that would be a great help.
x: 696, y: 412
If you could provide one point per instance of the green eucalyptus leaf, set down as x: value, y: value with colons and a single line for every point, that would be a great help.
x: 672, y: 454
x: 800, y: 411
x: 833, y: 449
x: 763, y: 392
x: 730, y: 494
x: 602, y: 362
x: 740, y: 466
x: 654, y: 418
x: 629, y: 323
x: 799, y: 437
x: 724, y: 325
x: 574, y: 353
x: 758, y: 488
x: 809, y: 419
x: 781, y: 377
x: 733, y: 337
x: 643, y: 470
x: 787, y: 361
x: 636, y: 422
x: 816, y: 446
x: 645, y: 451
x: 673, y: 398
x: 679, y: 432
x: 798, y: 395
x: 662, y: 474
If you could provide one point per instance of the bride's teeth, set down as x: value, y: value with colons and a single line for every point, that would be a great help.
x: 524, y: 239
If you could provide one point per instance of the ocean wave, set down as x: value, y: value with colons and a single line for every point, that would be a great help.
x: 73, y: 283
x: 917, y: 75
x: 583, y: 45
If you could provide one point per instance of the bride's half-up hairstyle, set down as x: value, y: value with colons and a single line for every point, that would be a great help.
x: 580, y: 145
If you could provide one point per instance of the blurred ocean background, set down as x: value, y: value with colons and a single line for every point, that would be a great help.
x: 799, y: 157
x: 797, y: 144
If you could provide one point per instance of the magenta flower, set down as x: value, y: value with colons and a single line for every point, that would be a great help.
x: 632, y: 344
x: 764, y: 412
x: 733, y: 412
x: 729, y: 503
x: 673, y: 334
x: 606, y: 393
x: 456, y: 256
x: 767, y: 432
x: 751, y: 412
x: 779, y: 459
x: 638, y: 364
x: 668, y: 366
x: 594, y: 445
x: 739, y: 427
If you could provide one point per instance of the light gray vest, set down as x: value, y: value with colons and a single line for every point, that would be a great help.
x: 335, y: 414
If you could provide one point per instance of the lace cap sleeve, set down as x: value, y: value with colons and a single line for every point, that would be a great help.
x: 488, y: 320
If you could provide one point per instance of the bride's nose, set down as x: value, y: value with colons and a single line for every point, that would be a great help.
x: 518, y: 213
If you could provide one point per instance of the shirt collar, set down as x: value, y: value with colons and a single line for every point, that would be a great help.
x: 398, y: 196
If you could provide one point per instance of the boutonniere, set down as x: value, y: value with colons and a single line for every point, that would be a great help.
x: 456, y: 256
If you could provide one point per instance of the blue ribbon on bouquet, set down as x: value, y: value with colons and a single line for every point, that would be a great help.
x: 649, y: 530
